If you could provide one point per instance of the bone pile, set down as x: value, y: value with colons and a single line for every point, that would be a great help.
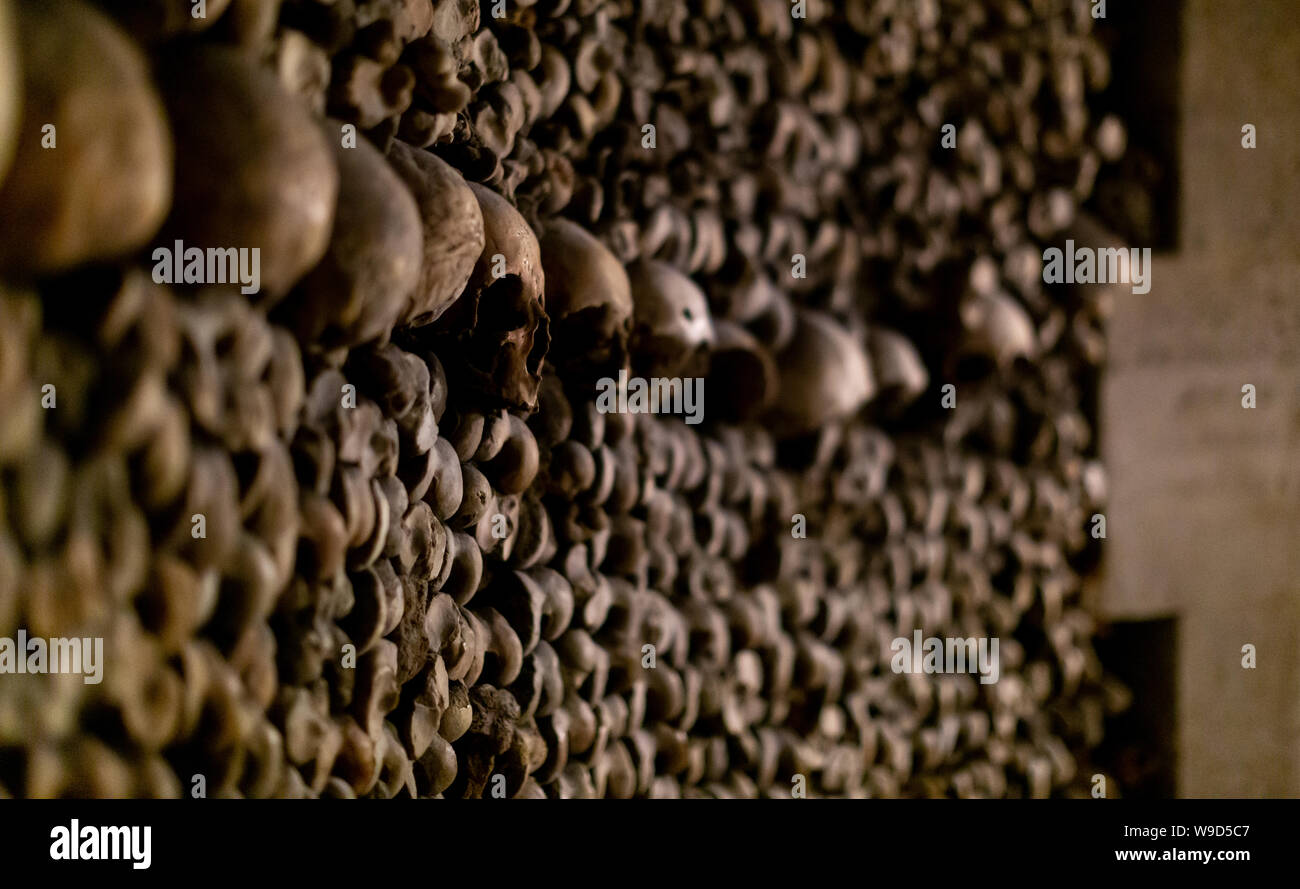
x: 429, y: 565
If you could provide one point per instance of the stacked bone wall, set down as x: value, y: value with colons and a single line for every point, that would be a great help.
x: 310, y: 314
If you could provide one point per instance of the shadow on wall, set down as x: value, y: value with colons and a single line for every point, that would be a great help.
x: 1140, y: 746
x: 1139, y: 199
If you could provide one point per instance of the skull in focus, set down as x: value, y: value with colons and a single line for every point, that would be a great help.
x: 590, y: 300
x: 500, y: 318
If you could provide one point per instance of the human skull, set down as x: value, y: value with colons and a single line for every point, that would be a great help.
x: 274, y: 188
x: 742, y: 367
x: 997, y: 330
x: 503, y: 307
x: 363, y: 284
x: 900, y: 372
x: 825, y: 376
x: 590, y: 299
x: 105, y: 190
x: 453, y: 230
x: 671, y: 328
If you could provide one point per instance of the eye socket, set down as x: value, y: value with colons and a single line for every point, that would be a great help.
x: 686, y: 313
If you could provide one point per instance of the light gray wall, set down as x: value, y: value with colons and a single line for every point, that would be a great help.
x: 1204, y: 520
